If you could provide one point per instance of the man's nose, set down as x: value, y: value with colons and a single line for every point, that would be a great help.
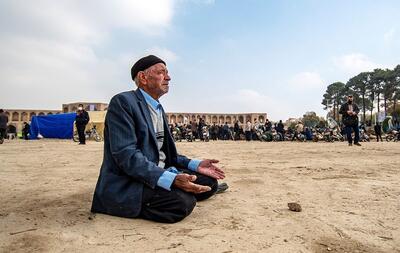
x: 167, y: 77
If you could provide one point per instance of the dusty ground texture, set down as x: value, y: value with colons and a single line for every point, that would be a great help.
x: 350, y: 198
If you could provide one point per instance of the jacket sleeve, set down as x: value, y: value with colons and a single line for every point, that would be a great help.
x: 343, y: 109
x: 87, y: 117
x: 124, y: 144
x: 356, y: 109
x: 182, y: 161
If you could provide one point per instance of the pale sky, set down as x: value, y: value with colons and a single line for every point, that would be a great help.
x: 227, y: 56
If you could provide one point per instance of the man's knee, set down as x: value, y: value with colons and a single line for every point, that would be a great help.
x: 185, y: 205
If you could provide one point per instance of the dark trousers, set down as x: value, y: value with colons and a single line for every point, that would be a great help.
x: 2, y: 133
x: 81, y: 133
x: 295, y: 136
x: 172, y: 206
x: 281, y: 136
x: 378, y: 136
x: 248, y: 135
x: 356, y: 133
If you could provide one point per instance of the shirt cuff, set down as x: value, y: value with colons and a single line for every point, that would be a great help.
x: 194, y: 164
x: 166, y: 180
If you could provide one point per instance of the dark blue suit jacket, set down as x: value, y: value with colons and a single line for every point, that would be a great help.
x: 130, y: 156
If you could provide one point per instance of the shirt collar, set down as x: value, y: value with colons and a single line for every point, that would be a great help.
x: 150, y: 101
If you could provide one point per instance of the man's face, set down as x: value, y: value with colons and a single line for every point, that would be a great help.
x: 350, y: 98
x: 156, y: 80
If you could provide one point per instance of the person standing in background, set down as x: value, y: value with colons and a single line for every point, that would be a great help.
x: 378, y: 131
x: 349, y: 111
x: 3, y: 125
x: 81, y: 120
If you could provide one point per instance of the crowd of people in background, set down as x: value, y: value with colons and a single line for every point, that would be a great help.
x: 274, y: 131
x: 250, y: 131
x: 8, y: 131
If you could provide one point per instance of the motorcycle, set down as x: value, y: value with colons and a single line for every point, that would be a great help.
x: 176, y: 134
x: 277, y: 136
x: 364, y: 137
x: 317, y: 135
x: 393, y: 135
x: 205, y: 133
x: 328, y: 135
x: 189, y: 135
x: 90, y: 134
x: 336, y: 135
x: 263, y: 136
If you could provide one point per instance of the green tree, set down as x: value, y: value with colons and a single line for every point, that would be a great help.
x: 310, y: 119
x: 334, y: 97
x: 388, y: 88
x: 376, y: 86
x: 396, y: 92
x: 359, y: 85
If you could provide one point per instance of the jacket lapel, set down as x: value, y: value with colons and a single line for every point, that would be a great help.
x: 171, y: 142
x: 145, y: 111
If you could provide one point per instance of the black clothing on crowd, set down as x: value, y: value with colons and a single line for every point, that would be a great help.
x: 268, y: 126
x: 200, y: 129
x: 3, y: 120
x: 3, y: 125
x: 236, y: 129
x: 378, y: 132
x: 280, y: 128
x: 25, y: 131
x: 2, y: 135
x: 350, y: 121
x: 226, y: 133
x: 247, y: 135
x: 81, y: 120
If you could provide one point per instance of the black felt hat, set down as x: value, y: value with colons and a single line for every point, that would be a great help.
x: 144, y: 63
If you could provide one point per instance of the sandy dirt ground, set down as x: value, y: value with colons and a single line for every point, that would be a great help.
x: 350, y: 198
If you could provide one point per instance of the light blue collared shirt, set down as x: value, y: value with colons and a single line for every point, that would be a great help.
x: 151, y: 101
x: 167, y: 178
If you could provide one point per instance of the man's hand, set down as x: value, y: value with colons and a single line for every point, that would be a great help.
x: 185, y: 182
x: 207, y: 167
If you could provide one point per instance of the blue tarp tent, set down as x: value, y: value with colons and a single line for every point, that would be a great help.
x: 59, y: 126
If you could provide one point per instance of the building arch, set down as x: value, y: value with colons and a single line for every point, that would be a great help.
x: 241, y: 119
x: 221, y: 120
x: 15, y: 116
x: 173, y: 119
x: 228, y: 119
x: 41, y: 114
x: 24, y: 116
x: 180, y: 118
x: 214, y: 119
x: 50, y: 113
x: 32, y: 114
x: 261, y: 119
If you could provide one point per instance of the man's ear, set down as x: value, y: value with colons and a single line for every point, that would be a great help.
x: 142, y: 77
